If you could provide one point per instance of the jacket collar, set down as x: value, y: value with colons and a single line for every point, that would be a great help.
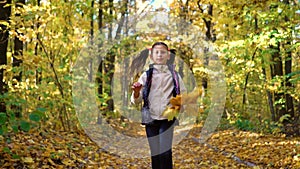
x: 161, y: 68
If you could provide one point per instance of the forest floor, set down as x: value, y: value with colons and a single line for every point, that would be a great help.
x: 224, y: 149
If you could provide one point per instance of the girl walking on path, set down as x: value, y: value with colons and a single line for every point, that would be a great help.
x: 155, y: 88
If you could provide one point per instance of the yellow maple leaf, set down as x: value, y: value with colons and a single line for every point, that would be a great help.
x: 176, y: 101
x: 171, y: 112
x: 27, y: 160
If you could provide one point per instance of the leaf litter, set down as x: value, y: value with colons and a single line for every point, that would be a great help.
x: 225, y: 149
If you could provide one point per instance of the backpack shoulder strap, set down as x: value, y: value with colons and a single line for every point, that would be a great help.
x: 176, y: 90
x: 147, y: 87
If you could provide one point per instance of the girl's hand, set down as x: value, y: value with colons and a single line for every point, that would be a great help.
x: 136, y: 87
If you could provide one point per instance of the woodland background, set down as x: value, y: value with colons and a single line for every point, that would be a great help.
x: 256, y: 41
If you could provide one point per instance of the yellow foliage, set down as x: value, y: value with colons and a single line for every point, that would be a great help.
x: 176, y: 101
x: 180, y: 100
x: 171, y: 112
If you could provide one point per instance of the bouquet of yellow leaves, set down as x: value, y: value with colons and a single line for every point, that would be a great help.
x: 173, y: 111
x: 178, y: 101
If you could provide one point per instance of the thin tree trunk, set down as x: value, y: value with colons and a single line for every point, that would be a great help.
x: 288, y: 69
x: 110, y: 59
x: 91, y: 41
x: 208, y: 35
x: 18, y: 51
x: 110, y: 8
x: 124, y: 79
x: 99, y: 78
x: 63, y: 114
x: 289, y: 99
x: 126, y: 61
x: 246, y: 80
x: 109, y: 64
x: 269, y: 94
x: 5, y: 14
x: 298, y: 110
x: 38, y: 72
x: 252, y: 59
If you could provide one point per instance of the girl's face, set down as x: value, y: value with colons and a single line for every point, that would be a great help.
x: 160, y: 55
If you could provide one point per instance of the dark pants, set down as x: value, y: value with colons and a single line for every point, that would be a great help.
x: 160, y: 137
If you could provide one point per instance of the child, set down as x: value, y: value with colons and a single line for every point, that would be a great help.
x: 156, y: 87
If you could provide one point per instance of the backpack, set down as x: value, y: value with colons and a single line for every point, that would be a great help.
x: 146, y: 118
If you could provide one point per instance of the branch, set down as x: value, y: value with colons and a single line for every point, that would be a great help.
x: 121, y: 23
x: 206, y: 21
x: 60, y: 87
x: 44, y: 49
x: 199, y: 6
x: 247, y: 77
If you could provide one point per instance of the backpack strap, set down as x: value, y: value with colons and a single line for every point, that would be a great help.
x: 176, y: 90
x: 147, y: 87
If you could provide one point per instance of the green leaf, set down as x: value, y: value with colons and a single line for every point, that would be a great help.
x: 29, y: 72
x: 6, y: 150
x: 3, y: 130
x: 16, y: 156
x: 284, y: 117
x: 35, y: 117
x: 41, y: 109
x: 3, y: 118
x: 39, y: 69
x: 15, y: 128
x: 25, y: 126
x: 68, y: 77
x: 293, y: 74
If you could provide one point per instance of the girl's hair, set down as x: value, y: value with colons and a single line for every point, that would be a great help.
x: 139, y: 62
x: 159, y: 43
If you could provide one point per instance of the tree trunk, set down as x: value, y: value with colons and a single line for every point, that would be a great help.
x: 288, y: 69
x: 18, y: 46
x: 109, y: 73
x: 90, y: 76
x: 111, y: 56
x: 18, y: 51
x: 99, y: 78
x: 209, y: 36
x: 5, y: 14
x: 298, y: 110
x: 38, y: 72
x: 246, y: 81
x: 124, y: 79
x: 109, y: 64
x: 270, y: 97
x: 277, y: 70
x: 248, y: 73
